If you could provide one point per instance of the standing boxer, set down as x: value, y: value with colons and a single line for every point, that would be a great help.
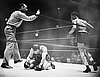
x: 15, y: 20
x: 81, y: 27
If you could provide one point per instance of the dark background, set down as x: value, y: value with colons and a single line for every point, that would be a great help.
x: 50, y: 17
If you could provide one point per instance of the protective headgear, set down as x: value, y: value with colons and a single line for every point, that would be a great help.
x: 35, y: 47
x: 53, y: 66
x: 74, y: 15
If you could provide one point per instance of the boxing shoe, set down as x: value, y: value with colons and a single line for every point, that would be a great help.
x: 37, y: 68
x: 17, y: 61
x: 53, y: 66
x: 4, y: 65
x: 87, y: 69
x: 10, y: 67
x: 95, y: 66
x: 26, y: 65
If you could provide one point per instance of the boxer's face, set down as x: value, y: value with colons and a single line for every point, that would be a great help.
x: 73, y: 17
x: 24, y: 8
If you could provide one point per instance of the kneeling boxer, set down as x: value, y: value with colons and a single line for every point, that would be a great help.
x: 34, y: 57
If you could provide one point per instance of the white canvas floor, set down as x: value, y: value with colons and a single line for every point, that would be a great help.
x: 62, y: 70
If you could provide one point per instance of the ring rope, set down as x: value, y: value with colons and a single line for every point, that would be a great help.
x: 52, y: 50
x: 50, y: 44
x: 44, y: 29
x: 67, y: 46
x: 49, y: 39
x: 55, y: 19
x: 83, y: 5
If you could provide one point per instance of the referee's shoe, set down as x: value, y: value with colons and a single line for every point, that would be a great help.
x: 4, y: 65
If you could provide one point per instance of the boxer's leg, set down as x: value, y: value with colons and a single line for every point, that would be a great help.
x: 33, y: 63
x: 17, y: 57
x: 83, y: 57
x: 9, y: 47
x: 7, y: 55
x: 89, y: 56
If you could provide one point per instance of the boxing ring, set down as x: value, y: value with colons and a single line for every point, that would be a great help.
x: 65, y: 49
x: 62, y: 69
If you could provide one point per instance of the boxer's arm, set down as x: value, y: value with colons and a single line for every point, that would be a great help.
x: 74, y: 22
x: 73, y: 29
x: 24, y: 17
x: 43, y: 58
x: 89, y: 24
x: 30, y: 54
x: 86, y: 23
